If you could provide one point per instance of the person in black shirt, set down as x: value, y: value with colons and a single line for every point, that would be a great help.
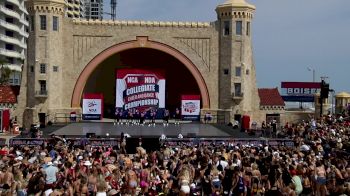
x: 117, y: 117
x: 166, y: 117
x: 227, y: 181
x: 137, y: 117
x: 177, y: 116
x: 142, y: 118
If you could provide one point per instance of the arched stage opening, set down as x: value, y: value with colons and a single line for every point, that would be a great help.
x: 182, y: 76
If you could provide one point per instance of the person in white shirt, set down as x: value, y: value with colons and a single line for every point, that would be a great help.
x: 222, y: 162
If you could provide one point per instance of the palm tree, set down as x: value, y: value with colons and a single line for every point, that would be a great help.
x: 5, y: 73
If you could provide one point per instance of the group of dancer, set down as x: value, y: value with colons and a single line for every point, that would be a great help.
x: 146, y: 117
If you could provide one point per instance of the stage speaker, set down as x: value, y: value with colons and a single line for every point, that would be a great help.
x: 90, y: 135
x: 191, y: 135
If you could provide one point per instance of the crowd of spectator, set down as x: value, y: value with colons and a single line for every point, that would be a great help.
x: 318, y: 164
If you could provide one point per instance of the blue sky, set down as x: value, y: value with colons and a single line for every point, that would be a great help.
x: 288, y: 35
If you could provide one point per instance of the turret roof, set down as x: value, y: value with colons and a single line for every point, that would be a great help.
x: 343, y: 95
x: 236, y: 3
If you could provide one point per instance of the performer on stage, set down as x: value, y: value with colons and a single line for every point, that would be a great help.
x: 118, y: 115
x: 130, y: 117
x: 137, y: 117
x: 142, y: 118
x: 177, y: 116
x: 153, y: 114
x: 166, y: 118
x: 124, y: 115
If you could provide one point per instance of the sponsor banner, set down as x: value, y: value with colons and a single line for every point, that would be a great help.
x: 94, y: 142
x: 169, y: 142
x: 74, y: 142
x: 27, y: 142
x: 190, y: 107
x: 228, y: 142
x: 298, y: 98
x: 300, y: 91
x: 92, y: 106
x: 139, y: 89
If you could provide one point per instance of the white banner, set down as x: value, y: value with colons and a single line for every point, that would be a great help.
x: 92, y: 106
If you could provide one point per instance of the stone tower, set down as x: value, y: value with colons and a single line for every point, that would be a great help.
x: 236, y: 64
x: 45, y: 51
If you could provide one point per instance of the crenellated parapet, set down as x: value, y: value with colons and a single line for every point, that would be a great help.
x: 237, y: 9
x: 236, y: 14
x: 46, y: 6
x: 142, y: 23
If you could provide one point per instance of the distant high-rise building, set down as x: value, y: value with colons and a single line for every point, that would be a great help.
x: 13, y: 37
x: 75, y: 8
x: 94, y: 9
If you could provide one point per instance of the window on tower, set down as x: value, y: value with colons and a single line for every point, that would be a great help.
x: 248, y: 28
x: 55, y: 68
x: 55, y: 23
x: 43, y: 90
x: 226, y: 71
x: 226, y: 27
x: 42, y: 22
x: 43, y: 68
x: 238, y: 71
x: 238, y: 89
x: 238, y: 27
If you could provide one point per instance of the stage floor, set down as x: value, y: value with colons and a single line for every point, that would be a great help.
x: 171, y: 131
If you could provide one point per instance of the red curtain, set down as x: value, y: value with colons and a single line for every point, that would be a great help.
x: 246, y: 122
x: 5, y: 120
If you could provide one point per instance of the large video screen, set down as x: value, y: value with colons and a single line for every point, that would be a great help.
x: 138, y: 89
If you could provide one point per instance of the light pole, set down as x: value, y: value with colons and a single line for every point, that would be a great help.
x: 333, y: 96
x: 313, y: 73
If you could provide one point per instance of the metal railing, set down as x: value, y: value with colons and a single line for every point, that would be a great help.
x: 66, y: 118
x: 215, y: 119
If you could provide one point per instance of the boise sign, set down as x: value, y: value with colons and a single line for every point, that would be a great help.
x: 300, y: 91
